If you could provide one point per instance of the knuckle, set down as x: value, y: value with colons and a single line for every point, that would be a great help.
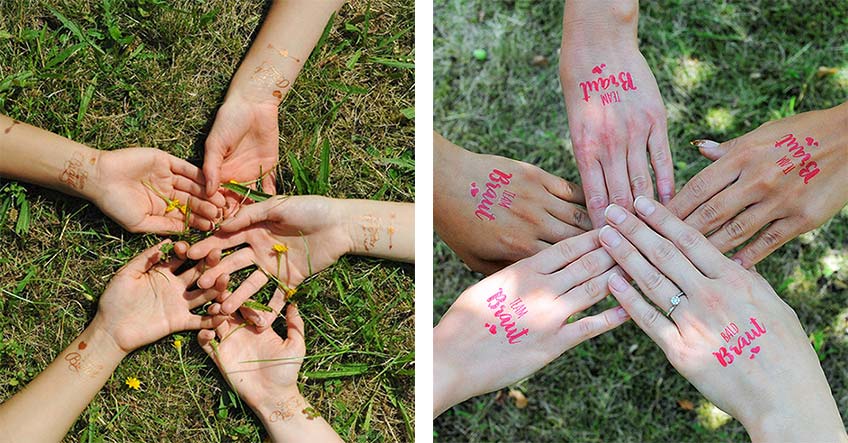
x: 590, y: 264
x: 597, y: 201
x: 771, y: 238
x: 650, y: 317
x: 566, y: 250
x: 592, y: 289
x: 690, y: 240
x: 639, y: 184
x: 698, y: 186
x: 654, y: 281
x: 579, y: 217
x: 665, y: 252
x: 708, y: 213
x: 735, y: 229
x: 629, y: 228
x: 620, y: 199
x: 660, y: 156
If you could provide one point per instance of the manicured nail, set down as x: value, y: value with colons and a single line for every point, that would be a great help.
x: 644, y: 205
x: 622, y: 314
x: 615, y: 213
x: 610, y: 236
x: 617, y: 282
x: 704, y: 144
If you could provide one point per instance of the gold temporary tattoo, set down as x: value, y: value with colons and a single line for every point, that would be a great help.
x: 286, y: 409
x: 370, y: 231
x: 9, y: 129
x: 80, y: 365
x: 266, y: 75
x: 74, y: 174
x: 283, y: 53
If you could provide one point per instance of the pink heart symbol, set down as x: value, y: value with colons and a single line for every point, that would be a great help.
x: 474, y: 189
x: 754, y: 350
x: 492, y: 329
x: 811, y: 142
x: 599, y: 69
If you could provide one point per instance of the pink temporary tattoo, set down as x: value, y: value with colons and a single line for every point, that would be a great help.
x: 490, y: 197
x: 724, y: 357
x: 807, y: 168
x: 506, y: 315
x: 624, y: 81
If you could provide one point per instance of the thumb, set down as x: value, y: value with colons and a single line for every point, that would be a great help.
x: 295, y: 327
x: 710, y: 149
x: 204, y: 339
x: 212, y: 161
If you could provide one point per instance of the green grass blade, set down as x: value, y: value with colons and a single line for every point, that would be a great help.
x: 324, y: 170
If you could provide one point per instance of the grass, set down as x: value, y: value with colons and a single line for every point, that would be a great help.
x: 117, y: 73
x: 723, y: 68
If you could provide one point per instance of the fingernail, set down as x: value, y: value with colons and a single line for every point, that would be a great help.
x: 258, y: 321
x: 617, y: 282
x: 704, y: 144
x: 644, y: 205
x: 622, y: 314
x: 665, y: 198
x: 738, y: 261
x: 610, y: 236
x: 615, y: 213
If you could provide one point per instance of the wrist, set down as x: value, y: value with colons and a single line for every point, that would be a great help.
x: 447, y: 382
x: 99, y: 336
x: 277, y: 404
x: 599, y: 26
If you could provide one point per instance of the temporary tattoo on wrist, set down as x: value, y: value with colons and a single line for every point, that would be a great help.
x: 497, y: 179
x: 370, y: 231
x: 285, y: 409
x: 391, y: 229
x: 9, y: 129
x: 623, y: 80
x: 507, y: 316
x: 724, y: 357
x: 74, y: 174
x: 267, y: 76
x: 807, y: 168
x: 79, y: 364
x: 283, y: 53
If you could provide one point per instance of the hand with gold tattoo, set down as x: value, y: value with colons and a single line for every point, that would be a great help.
x: 516, y: 321
x: 721, y: 326
x: 616, y: 115
x: 493, y: 211
x: 145, y: 301
x: 771, y: 185
x: 293, y: 237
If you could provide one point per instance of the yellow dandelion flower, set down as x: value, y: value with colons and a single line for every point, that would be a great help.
x: 178, y: 343
x: 183, y: 208
x: 234, y: 182
x: 133, y: 383
x: 172, y: 204
x: 290, y: 292
x: 280, y: 248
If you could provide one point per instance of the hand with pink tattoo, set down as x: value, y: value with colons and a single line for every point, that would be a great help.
x: 773, y: 184
x: 493, y: 211
x: 721, y: 326
x: 148, y: 190
x: 615, y: 111
x: 514, y: 322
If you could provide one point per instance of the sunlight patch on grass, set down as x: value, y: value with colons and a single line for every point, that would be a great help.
x: 711, y: 417
x: 719, y: 119
x: 690, y: 73
x: 841, y: 77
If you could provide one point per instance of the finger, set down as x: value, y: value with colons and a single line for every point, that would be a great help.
x: 579, y: 271
x: 702, y: 187
x: 686, y: 239
x: 268, y: 185
x: 637, y: 166
x: 218, y: 241
x: 181, y: 249
x: 553, y: 230
x: 719, y: 209
x: 221, y: 283
x: 200, y: 207
x: 295, y: 329
x: 263, y: 319
x: 160, y: 224
x: 213, y: 258
x: 190, y: 275
x: 661, y: 330
x: 741, y: 228
x: 197, y: 191
x: 204, y: 339
x: 231, y: 263
x: 563, y: 189
x: 618, y: 183
x: 171, y: 265
x: 592, y: 326
x: 569, y: 213
x: 249, y: 215
x: 710, y: 149
x: 200, y: 297
x: 193, y: 322
x: 561, y: 254
x: 251, y: 285
x: 222, y: 325
x: 661, y: 161
x: 214, y: 309
x: 588, y: 293
x: 212, y: 161
x: 595, y: 190
x: 771, y: 238
x: 146, y: 260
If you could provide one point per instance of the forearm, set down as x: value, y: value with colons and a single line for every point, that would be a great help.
x: 446, y: 385
x: 448, y: 159
x: 594, y: 22
x: 288, y: 417
x: 287, y: 37
x: 41, y: 157
x: 380, y: 229
x: 62, y: 391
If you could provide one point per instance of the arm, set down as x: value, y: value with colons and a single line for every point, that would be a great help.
x: 493, y: 211
x: 380, y: 229
x: 773, y: 184
x: 244, y: 136
x: 134, y: 186
x: 731, y: 336
x: 616, y: 115
x: 144, y: 302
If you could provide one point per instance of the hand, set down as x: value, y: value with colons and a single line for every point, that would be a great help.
x: 615, y: 115
x: 147, y: 300
x: 731, y: 335
x: 493, y: 211
x: 258, y: 384
x: 291, y: 222
x: 133, y: 183
x: 781, y: 180
x: 514, y: 322
x: 242, y: 145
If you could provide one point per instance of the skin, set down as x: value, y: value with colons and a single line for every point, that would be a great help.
x: 745, y: 195
x: 331, y: 228
x: 612, y: 143
x: 114, y: 180
x: 781, y: 394
x: 264, y: 385
x: 144, y: 302
x: 546, y: 208
x: 245, y: 134
x: 555, y: 284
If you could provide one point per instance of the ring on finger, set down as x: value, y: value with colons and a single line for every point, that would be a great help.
x: 675, y: 300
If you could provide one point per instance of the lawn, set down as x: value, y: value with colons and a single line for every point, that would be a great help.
x: 118, y: 73
x: 723, y: 68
